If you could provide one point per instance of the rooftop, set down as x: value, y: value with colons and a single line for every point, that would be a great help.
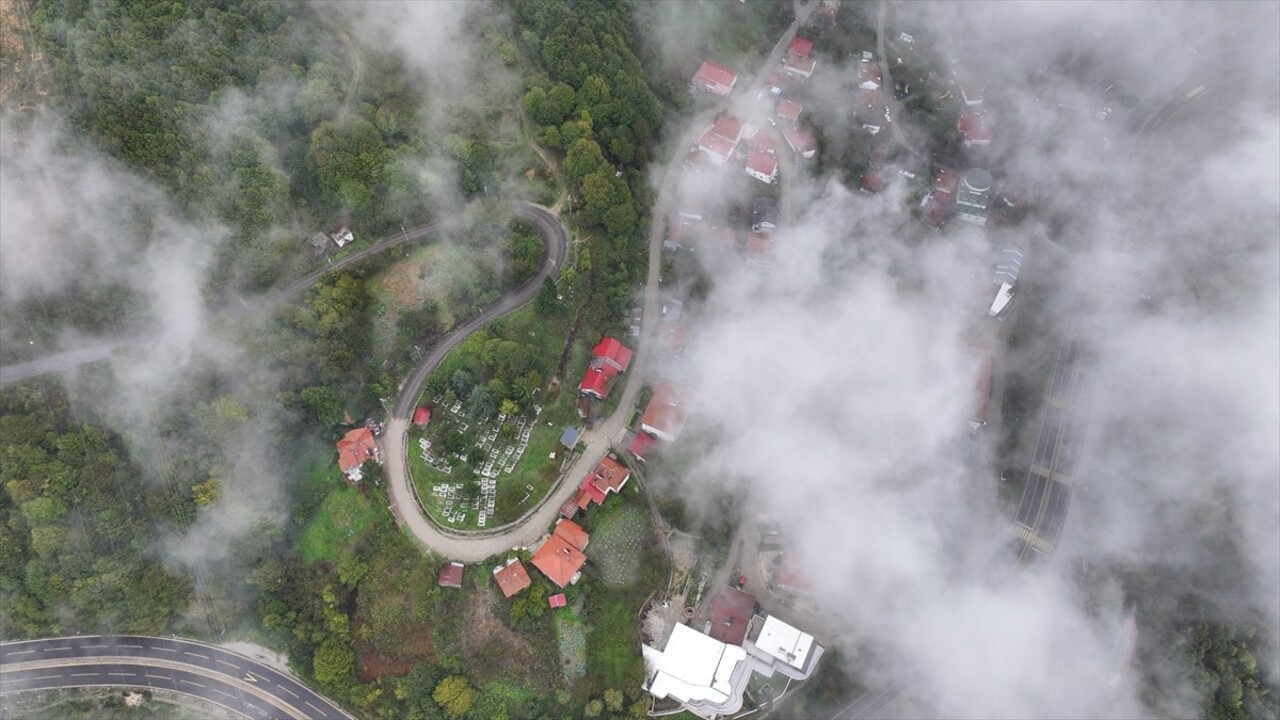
x: 717, y: 74
x: 559, y: 560
x: 789, y: 110
x: 451, y: 575
x: 355, y: 448
x: 784, y: 642
x: 692, y: 668
x: 613, y: 352
x: 512, y: 577
x: 730, y: 615
x: 800, y: 46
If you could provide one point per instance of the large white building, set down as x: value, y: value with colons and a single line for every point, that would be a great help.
x: 708, y: 677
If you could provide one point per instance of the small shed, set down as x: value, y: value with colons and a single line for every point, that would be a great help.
x: 421, y: 417
x: 451, y: 575
x: 569, y: 438
x: 558, y: 600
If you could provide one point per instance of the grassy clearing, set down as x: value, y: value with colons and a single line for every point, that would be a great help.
x: 618, y: 540
x: 442, y: 273
x: 397, y: 605
x: 341, y: 522
x: 613, y: 643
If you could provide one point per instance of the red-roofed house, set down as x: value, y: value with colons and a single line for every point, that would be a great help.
x: 874, y: 180
x: 800, y: 142
x: 572, y: 533
x: 512, y: 577
x: 870, y: 110
x: 613, y: 353
x: 558, y: 600
x: 941, y: 200
x: 762, y: 166
x: 715, y: 79
x: 730, y: 614
x: 641, y: 444
x: 798, y: 65
x: 800, y: 46
x: 609, y: 477
x: 945, y: 180
x: 789, y: 577
x: 715, y: 147
x: 421, y: 416
x: 975, y: 128
x: 672, y: 338
x: 664, y: 417
x: 451, y: 575
x: 762, y: 143
x: 595, y: 382
x: 727, y: 127
x: 354, y: 449
x: 869, y: 76
x: 558, y: 559
x: 789, y: 111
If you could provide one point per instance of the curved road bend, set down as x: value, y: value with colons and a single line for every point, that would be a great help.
x: 477, y: 546
x: 219, y: 676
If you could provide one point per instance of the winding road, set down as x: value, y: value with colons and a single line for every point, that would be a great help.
x: 213, y: 674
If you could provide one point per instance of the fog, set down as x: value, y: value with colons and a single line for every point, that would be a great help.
x: 73, y: 216
x: 839, y: 382
x: 832, y: 390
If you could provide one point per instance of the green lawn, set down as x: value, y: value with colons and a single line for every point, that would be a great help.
x: 613, y: 642
x: 617, y: 540
x: 341, y: 521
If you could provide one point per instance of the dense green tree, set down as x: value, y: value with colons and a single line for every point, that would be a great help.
x: 584, y: 157
x: 322, y: 403
x: 547, y: 302
x: 333, y: 662
x: 350, y: 159
x: 455, y: 696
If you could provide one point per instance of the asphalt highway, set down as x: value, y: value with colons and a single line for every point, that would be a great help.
x: 234, y: 681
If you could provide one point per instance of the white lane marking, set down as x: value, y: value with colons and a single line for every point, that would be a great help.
x: 20, y: 652
x: 294, y: 694
x: 220, y: 661
x: 172, y: 650
x: 223, y: 692
x: 188, y: 682
x: 84, y: 675
x: 101, y: 645
x: 122, y: 674
x: 57, y: 649
x: 46, y: 677
x: 160, y: 677
x: 313, y: 707
x: 187, y: 652
x: 130, y: 646
x: 1195, y: 91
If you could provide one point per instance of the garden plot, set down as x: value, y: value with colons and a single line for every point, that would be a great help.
x: 616, y: 544
x: 571, y: 639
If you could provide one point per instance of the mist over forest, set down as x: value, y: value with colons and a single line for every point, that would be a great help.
x: 171, y: 176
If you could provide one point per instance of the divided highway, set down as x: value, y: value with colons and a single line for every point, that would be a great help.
x: 231, y: 680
